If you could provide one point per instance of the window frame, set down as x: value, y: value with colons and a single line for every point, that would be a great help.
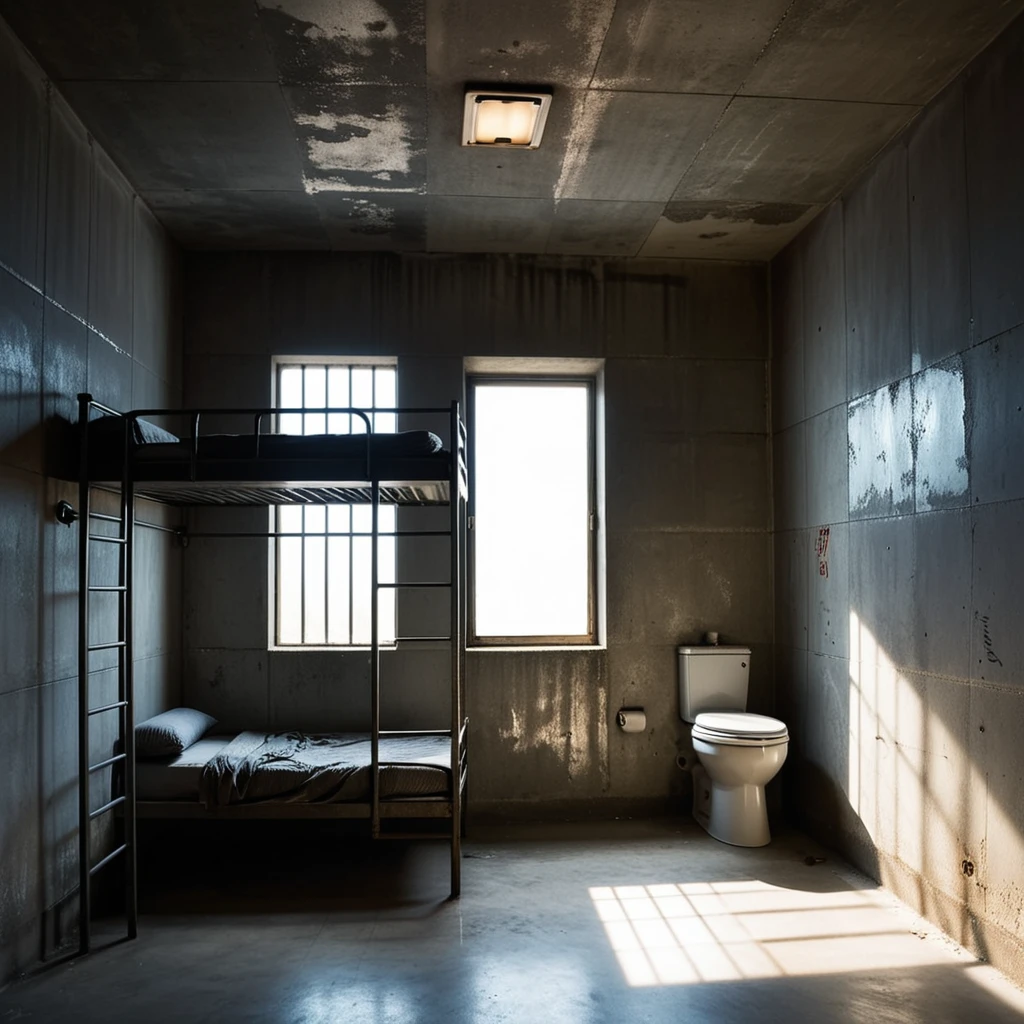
x: 589, y: 382
x: 278, y: 364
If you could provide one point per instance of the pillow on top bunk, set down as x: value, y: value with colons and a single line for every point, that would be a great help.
x: 150, y: 433
x: 171, y: 732
x: 144, y: 432
x: 407, y: 443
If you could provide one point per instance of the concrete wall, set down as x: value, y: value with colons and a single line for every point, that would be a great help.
x: 686, y: 530
x: 898, y: 384
x: 87, y: 301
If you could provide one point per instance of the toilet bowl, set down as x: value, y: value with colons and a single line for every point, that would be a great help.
x: 740, y: 754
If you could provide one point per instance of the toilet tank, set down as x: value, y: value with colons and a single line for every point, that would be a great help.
x: 712, y: 679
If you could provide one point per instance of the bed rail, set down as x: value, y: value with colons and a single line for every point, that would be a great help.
x: 199, y: 477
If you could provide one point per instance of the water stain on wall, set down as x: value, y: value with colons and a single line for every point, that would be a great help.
x: 360, y: 139
x: 939, y: 436
x: 881, y: 467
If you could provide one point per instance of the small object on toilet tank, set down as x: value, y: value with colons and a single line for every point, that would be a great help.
x: 632, y: 720
x: 711, y: 639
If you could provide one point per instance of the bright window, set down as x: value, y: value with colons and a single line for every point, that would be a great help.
x: 323, y: 562
x: 533, y: 510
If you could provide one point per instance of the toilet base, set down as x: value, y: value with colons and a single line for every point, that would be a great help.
x: 701, y: 796
x: 736, y: 814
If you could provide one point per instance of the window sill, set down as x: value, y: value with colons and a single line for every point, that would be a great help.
x: 522, y: 649
x: 538, y: 648
x: 336, y: 648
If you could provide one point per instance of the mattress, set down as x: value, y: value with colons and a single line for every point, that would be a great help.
x: 295, y: 768
x: 177, y: 778
x: 410, y: 455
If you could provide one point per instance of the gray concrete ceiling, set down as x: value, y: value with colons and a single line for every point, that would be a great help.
x: 709, y: 128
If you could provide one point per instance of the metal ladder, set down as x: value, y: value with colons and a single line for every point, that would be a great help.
x: 123, y: 759
x: 455, y: 586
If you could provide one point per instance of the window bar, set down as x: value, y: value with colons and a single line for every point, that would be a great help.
x: 351, y: 541
x: 277, y: 568
x: 374, y: 666
x: 348, y: 386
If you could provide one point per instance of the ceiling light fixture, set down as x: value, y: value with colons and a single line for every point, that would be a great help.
x: 514, y: 120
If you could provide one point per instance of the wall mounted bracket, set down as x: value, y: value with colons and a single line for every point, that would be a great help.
x: 66, y: 513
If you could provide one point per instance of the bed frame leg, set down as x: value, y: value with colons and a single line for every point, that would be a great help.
x: 456, y: 865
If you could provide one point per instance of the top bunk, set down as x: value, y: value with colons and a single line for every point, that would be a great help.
x: 265, y: 467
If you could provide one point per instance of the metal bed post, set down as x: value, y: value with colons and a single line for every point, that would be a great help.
x: 463, y: 538
x: 128, y: 683
x: 84, y: 853
x: 464, y: 622
x: 374, y: 663
x: 454, y: 511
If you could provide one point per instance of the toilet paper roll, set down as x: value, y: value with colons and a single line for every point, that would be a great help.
x: 632, y: 720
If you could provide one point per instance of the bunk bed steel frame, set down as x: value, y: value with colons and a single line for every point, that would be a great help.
x: 195, y: 488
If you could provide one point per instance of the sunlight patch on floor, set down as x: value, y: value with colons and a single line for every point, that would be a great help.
x: 681, y: 934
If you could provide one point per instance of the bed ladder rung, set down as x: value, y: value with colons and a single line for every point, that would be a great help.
x: 106, y: 764
x: 109, y: 857
x: 410, y: 586
x: 107, y: 707
x: 107, y: 590
x: 106, y: 647
x: 392, y: 733
x: 423, y: 639
x: 106, y: 540
x: 108, y: 806
x: 414, y: 835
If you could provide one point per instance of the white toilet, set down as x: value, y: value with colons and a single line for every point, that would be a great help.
x: 739, y: 753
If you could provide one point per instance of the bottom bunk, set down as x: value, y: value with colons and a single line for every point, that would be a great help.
x: 255, y: 768
x: 299, y: 775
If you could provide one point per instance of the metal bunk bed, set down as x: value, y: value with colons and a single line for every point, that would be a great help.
x: 188, y: 477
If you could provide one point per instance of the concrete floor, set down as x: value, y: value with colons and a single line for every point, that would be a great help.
x: 624, y: 921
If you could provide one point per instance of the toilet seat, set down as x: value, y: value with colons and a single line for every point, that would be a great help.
x: 739, y: 729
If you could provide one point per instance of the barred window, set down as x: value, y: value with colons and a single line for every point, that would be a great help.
x: 323, y: 562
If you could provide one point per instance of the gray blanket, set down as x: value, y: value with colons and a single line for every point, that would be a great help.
x: 292, y: 767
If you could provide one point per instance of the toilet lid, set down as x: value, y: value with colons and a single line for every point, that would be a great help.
x: 740, y: 725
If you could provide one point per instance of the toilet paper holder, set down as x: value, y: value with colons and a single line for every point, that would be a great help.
x: 632, y: 719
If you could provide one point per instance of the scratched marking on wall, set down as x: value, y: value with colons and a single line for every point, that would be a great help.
x: 821, y: 548
x: 990, y: 653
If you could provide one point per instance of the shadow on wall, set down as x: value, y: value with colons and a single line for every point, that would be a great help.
x: 60, y: 448
x: 56, y: 438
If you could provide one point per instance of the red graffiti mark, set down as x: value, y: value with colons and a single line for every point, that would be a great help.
x: 821, y: 547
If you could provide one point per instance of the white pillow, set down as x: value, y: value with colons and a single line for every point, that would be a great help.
x: 171, y: 732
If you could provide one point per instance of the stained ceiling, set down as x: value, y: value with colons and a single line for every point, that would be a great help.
x: 710, y: 128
